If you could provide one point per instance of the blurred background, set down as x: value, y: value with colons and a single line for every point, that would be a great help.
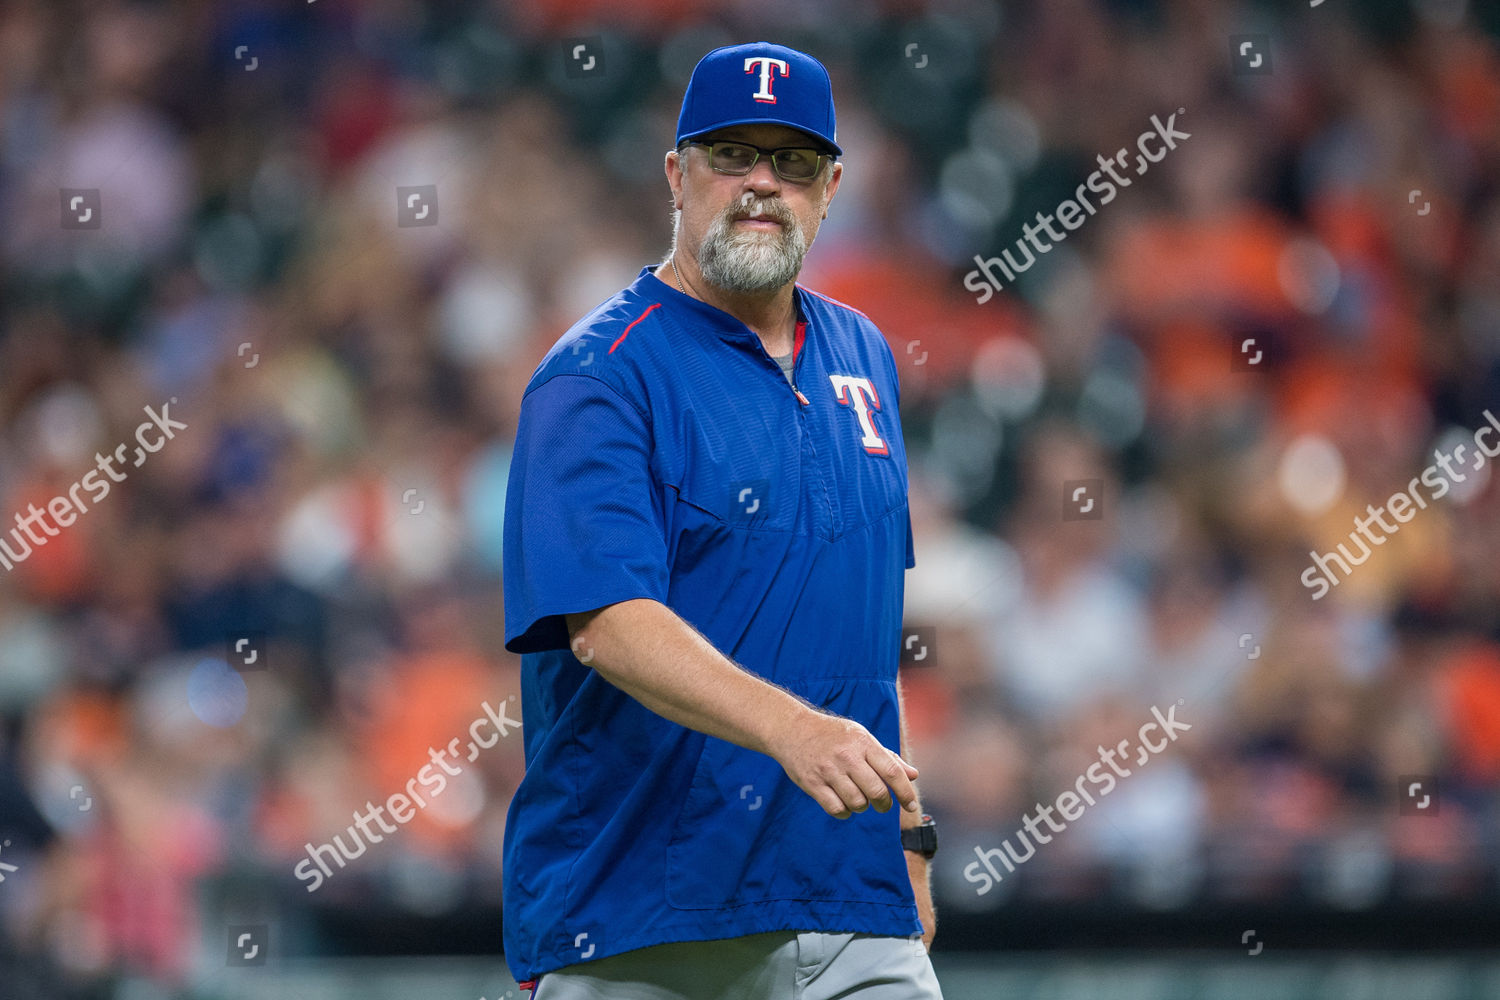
x: 269, y: 621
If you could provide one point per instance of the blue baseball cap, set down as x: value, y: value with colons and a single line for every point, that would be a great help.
x: 758, y: 83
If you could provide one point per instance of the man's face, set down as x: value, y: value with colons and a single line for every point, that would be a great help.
x: 748, y: 233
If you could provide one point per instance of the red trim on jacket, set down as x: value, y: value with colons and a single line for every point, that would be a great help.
x: 631, y: 327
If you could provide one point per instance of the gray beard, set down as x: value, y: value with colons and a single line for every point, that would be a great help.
x: 751, y: 262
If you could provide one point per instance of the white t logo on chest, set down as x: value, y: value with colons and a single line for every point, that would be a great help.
x: 859, y: 392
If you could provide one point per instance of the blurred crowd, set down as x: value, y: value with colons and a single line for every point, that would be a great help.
x: 350, y: 388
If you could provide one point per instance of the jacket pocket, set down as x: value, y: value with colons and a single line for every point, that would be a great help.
x: 723, y: 849
x: 747, y: 834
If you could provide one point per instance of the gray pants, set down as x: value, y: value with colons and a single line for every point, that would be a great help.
x: 783, y: 965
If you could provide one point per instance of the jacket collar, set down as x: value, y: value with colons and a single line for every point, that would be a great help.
x: 724, y: 324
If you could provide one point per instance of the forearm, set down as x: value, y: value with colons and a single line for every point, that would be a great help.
x: 908, y: 818
x: 643, y: 648
x: 918, y: 868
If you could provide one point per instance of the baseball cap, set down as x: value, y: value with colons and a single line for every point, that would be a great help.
x: 758, y: 83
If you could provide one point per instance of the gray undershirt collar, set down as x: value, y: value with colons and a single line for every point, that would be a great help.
x: 785, y: 361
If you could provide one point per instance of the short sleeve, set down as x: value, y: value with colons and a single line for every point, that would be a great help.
x: 911, y: 549
x: 583, y: 519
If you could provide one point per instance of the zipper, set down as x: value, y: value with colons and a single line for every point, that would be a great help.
x: 799, y: 333
x: 781, y: 375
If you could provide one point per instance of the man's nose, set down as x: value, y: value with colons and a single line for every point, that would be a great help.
x: 762, y: 177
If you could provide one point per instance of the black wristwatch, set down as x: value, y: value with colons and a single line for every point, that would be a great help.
x: 922, y: 839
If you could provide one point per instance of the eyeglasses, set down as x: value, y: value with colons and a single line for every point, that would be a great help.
x: 796, y: 164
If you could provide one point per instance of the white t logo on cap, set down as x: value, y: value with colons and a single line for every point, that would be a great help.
x: 766, y: 63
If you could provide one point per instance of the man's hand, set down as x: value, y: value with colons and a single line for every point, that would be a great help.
x: 844, y: 768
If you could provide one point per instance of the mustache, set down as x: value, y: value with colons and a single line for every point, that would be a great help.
x: 749, y: 208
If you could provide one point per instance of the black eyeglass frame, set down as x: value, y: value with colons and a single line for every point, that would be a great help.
x: 759, y: 151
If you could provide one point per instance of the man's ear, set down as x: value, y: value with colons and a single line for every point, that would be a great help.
x: 833, y: 186
x: 673, y: 167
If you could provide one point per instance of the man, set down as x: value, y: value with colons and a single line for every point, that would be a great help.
x: 706, y: 535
